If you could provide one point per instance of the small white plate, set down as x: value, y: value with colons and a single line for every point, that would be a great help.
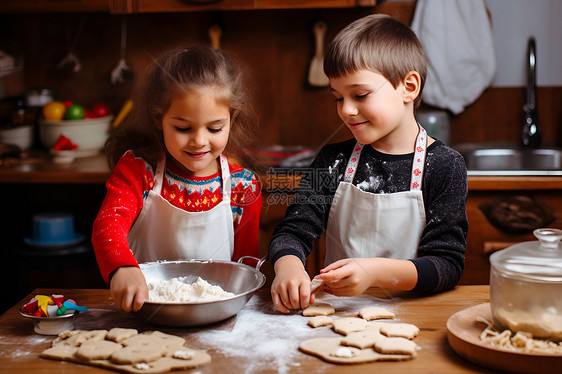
x: 52, y: 325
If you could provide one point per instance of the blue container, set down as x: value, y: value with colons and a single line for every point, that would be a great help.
x: 53, y: 229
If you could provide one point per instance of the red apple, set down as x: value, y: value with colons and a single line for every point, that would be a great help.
x: 100, y: 110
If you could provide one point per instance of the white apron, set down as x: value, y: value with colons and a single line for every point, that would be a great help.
x: 365, y: 224
x: 163, y: 231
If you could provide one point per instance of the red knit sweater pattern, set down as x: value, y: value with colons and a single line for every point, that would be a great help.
x: 129, y: 184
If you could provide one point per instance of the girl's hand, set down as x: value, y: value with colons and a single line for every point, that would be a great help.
x: 291, y: 287
x: 128, y: 288
x: 348, y: 277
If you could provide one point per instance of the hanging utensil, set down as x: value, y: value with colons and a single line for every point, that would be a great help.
x: 215, y: 33
x: 71, y: 59
x: 122, y: 71
x: 531, y: 131
x: 316, y: 76
x: 124, y: 112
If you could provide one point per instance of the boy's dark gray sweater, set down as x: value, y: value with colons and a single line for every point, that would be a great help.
x: 440, y: 258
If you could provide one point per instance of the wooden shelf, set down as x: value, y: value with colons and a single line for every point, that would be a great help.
x: 511, y: 183
x: 83, y: 170
x: 154, y: 6
x: 149, y: 6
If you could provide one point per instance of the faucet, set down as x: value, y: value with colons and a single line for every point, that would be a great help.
x: 531, y: 131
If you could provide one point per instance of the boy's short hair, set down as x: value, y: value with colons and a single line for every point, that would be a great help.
x: 378, y: 43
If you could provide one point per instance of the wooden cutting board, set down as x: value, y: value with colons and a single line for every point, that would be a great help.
x: 463, y: 333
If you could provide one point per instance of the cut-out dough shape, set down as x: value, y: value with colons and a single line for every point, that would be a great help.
x: 318, y: 321
x: 403, y: 346
x: 97, y: 350
x: 77, y: 337
x: 136, y: 353
x: 315, y: 284
x: 375, y: 312
x: 318, y: 309
x: 402, y: 330
x: 118, y: 334
x: 65, y: 348
x: 362, y: 339
x: 349, y: 324
x: 325, y: 348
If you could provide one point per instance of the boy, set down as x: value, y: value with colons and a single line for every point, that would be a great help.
x: 397, y: 219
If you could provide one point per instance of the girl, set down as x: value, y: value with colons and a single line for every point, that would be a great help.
x: 172, y: 194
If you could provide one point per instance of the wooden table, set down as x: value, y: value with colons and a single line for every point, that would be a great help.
x: 21, y: 346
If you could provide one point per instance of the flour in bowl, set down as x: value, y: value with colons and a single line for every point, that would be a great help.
x: 176, y: 291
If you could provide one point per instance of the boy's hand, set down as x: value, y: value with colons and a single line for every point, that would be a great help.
x: 128, y: 288
x: 291, y: 287
x: 348, y: 277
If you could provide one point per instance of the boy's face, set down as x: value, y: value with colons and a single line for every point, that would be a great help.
x: 371, y: 108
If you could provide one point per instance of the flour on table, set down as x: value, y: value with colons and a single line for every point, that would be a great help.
x: 264, y: 337
x: 176, y: 291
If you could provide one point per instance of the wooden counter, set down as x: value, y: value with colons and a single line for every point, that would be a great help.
x: 21, y: 346
x: 95, y: 170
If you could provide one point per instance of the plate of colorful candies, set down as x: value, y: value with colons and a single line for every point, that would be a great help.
x: 52, y: 314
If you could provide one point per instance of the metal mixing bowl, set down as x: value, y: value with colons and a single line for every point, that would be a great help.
x: 235, y: 277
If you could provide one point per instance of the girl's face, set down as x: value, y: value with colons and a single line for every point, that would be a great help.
x: 374, y: 110
x: 196, y: 129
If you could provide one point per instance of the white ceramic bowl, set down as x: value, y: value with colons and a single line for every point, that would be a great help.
x: 89, y: 135
x: 22, y: 136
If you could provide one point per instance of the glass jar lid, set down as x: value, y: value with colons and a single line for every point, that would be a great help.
x: 539, y: 261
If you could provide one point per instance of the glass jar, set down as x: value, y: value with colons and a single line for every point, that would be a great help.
x: 36, y: 98
x: 526, y: 286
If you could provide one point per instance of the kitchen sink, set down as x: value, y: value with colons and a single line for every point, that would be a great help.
x: 511, y: 160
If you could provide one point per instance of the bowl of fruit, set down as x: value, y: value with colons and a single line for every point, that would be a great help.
x: 86, y: 129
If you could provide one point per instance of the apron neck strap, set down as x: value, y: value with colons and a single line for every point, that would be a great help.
x: 225, y: 177
x: 159, y: 174
x: 417, y: 165
x: 351, y: 167
x: 419, y: 160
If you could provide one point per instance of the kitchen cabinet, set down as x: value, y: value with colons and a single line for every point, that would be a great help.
x: 23, y: 6
x: 149, y: 6
x: 485, y: 235
x: 142, y: 6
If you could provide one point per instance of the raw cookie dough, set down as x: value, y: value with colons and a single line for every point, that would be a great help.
x: 77, y: 337
x: 166, y: 340
x: 403, y: 346
x: 315, y: 284
x: 362, y: 339
x: 349, y: 324
x: 161, y: 352
x: 325, y: 348
x: 318, y: 321
x: 97, y: 350
x: 375, y: 312
x: 402, y: 330
x: 118, y: 334
x: 136, y: 353
x: 318, y: 309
